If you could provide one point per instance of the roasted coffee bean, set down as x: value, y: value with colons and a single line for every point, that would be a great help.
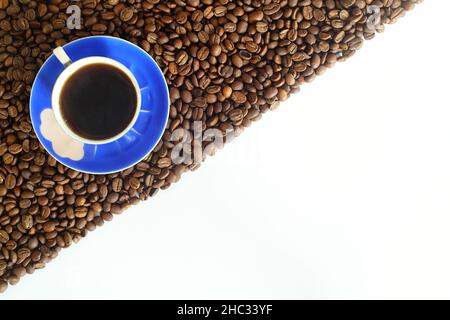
x: 10, y: 181
x: 225, y: 62
x: 3, y: 284
x: 49, y: 226
x: 126, y: 14
x: 3, y: 266
x: 117, y: 184
x: 255, y: 16
x: 134, y: 183
x: 270, y: 92
x: 4, y: 236
x: 113, y: 197
x: 203, y: 53
x: 4, y: 4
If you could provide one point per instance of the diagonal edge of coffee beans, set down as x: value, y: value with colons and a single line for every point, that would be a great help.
x: 226, y: 63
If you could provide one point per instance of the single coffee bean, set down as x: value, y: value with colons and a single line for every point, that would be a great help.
x: 134, y: 183
x: 186, y: 96
x: 270, y: 92
x: 271, y: 8
x: 92, y: 187
x: 10, y: 181
x: 4, y: 4
x: 4, y: 236
x: 3, y: 266
x: 255, y: 16
x: 4, y: 104
x: 23, y: 253
x: 112, y: 197
x: 3, y: 286
x: 126, y: 14
x: 49, y: 226
x: 238, y: 97
x: 117, y: 184
x: 203, y: 53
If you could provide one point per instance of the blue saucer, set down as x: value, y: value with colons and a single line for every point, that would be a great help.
x: 133, y: 146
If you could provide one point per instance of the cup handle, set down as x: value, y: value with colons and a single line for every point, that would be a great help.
x: 62, y: 56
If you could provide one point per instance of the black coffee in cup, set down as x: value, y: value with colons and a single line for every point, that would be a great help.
x: 98, y: 101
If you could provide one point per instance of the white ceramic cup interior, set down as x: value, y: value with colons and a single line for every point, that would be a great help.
x: 65, y: 76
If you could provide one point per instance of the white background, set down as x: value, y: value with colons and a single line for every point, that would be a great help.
x: 343, y: 192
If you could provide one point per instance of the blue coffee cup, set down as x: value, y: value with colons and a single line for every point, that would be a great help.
x: 130, y: 146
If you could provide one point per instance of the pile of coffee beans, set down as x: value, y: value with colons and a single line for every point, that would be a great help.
x: 226, y: 63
